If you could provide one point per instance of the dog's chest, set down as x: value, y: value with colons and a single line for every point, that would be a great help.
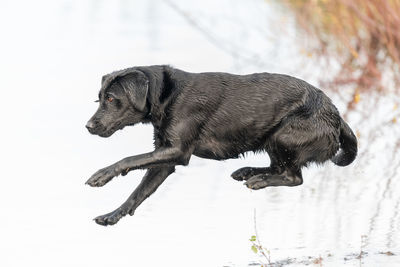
x: 214, y: 150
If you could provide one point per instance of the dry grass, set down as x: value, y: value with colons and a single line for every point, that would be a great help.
x: 362, y: 35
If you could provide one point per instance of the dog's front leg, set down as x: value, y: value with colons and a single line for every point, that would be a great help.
x: 153, y: 178
x: 160, y: 157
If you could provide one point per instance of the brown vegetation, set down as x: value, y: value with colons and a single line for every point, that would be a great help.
x: 363, y: 36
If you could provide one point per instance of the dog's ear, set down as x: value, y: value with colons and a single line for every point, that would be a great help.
x: 134, y: 82
x: 104, y: 79
x: 136, y: 86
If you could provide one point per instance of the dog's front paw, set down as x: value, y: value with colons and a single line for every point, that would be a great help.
x: 114, y: 216
x: 103, y: 176
x: 110, y: 218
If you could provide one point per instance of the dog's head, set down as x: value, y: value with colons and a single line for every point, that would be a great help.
x: 122, y: 102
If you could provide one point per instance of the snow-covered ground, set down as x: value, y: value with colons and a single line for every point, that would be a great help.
x: 53, y: 54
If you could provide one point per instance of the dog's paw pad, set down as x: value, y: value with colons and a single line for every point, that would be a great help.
x: 256, y: 182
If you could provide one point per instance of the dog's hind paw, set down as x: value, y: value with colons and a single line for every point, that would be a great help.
x: 257, y: 182
x: 102, y: 176
x: 243, y: 174
x: 247, y: 172
x: 283, y: 179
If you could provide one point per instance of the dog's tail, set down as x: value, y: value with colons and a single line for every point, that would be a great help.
x: 348, y: 146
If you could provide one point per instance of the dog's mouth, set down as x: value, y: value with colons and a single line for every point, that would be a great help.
x: 107, y: 132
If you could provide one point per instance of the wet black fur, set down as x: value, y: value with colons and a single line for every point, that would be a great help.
x: 219, y: 116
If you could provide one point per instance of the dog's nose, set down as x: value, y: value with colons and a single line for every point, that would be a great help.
x: 90, y: 125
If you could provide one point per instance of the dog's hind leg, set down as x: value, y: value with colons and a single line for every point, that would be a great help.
x: 287, y: 178
x: 285, y: 167
x: 153, y: 178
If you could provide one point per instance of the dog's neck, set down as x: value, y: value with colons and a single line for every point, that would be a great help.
x: 162, y: 88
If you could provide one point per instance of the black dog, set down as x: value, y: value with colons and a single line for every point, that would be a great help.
x: 218, y: 116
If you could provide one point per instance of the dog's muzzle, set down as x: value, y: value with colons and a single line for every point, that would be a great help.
x: 90, y: 125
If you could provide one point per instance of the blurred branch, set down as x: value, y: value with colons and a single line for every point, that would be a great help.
x: 253, y: 59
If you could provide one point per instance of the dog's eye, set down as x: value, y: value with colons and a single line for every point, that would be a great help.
x: 110, y: 99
